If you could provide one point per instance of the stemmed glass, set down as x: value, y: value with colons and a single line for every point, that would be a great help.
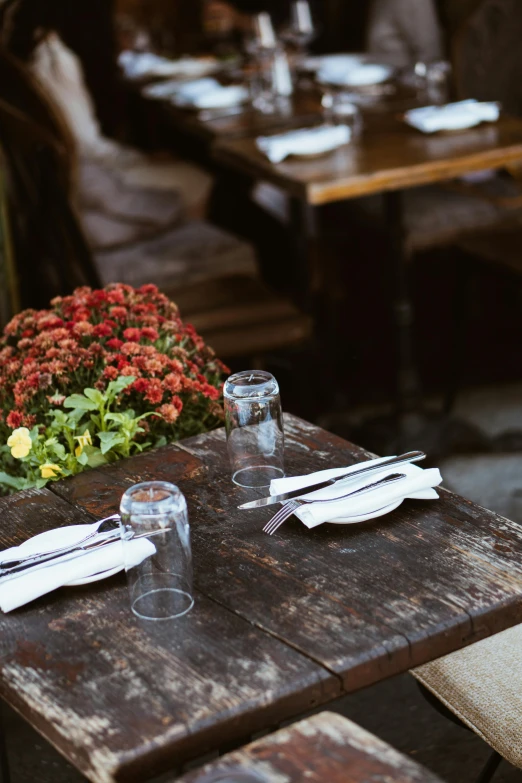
x: 261, y: 36
x: 301, y: 31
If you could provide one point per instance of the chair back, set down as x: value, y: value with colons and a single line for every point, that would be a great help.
x: 487, y: 54
x: 51, y: 256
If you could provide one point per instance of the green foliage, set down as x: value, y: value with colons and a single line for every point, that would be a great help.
x: 88, y: 433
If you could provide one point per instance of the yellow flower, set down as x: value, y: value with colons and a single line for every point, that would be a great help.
x: 49, y: 470
x: 83, y: 441
x: 20, y: 443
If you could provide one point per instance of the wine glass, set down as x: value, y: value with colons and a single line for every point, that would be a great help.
x: 301, y: 30
x: 261, y: 37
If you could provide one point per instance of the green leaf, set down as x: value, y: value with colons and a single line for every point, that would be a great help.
x: 12, y: 481
x: 95, y: 395
x: 119, y: 418
x: 58, y: 450
x: 94, y: 457
x: 83, y: 459
x: 110, y: 439
x: 115, y: 387
x: 80, y: 402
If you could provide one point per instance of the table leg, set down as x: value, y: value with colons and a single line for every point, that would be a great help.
x: 305, y: 232
x: 408, y: 381
x: 5, y: 775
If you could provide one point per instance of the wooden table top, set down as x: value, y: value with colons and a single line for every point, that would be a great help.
x: 280, y: 624
x: 389, y: 156
x: 305, y: 110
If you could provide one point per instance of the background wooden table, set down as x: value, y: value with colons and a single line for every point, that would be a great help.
x: 280, y: 625
x: 389, y: 156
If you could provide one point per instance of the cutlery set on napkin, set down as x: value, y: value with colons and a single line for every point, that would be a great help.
x: 349, y: 495
x: 80, y: 554
x: 306, y: 141
x: 68, y: 556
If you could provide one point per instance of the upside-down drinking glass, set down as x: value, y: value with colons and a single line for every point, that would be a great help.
x: 159, y: 578
x: 254, y: 424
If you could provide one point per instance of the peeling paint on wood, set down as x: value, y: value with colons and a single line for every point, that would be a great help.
x: 281, y: 623
x: 326, y: 748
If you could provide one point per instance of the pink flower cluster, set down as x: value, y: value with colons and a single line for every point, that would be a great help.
x: 92, y: 337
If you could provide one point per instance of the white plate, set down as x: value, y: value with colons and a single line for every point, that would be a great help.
x: 365, y: 517
x: 334, y: 61
x: 63, y: 537
x: 362, y: 75
x: 95, y: 577
x: 51, y: 540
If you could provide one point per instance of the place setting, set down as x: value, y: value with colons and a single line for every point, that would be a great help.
x: 341, y: 496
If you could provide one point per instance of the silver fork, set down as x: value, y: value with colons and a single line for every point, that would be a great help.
x: 104, y: 527
x: 288, y: 509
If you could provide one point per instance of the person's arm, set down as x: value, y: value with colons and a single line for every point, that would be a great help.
x: 406, y: 31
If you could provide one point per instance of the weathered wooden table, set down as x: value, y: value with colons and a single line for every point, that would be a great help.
x: 280, y: 624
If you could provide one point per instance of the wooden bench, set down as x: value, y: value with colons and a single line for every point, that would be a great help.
x: 326, y: 748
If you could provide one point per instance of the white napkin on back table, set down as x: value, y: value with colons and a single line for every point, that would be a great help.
x: 138, y: 65
x: 419, y: 484
x: 33, y: 583
x: 208, y: 94
x: 452, y: 116
x: 306, y: 141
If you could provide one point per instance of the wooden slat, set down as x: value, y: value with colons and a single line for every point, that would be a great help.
x: 366, y: 601
x: 123, y: 700
x: 326, y: 748
x: 390, y: 156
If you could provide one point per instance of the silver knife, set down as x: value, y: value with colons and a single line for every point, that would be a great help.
x: 74, y: 553
x: 411, y: 456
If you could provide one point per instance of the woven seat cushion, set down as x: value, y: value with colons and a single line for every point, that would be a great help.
x: 194, y: 252
x: 482, y: 685
x: 437, y: 215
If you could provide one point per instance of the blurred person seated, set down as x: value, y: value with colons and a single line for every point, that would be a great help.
x: 405, y: 31
x: 122, y: 195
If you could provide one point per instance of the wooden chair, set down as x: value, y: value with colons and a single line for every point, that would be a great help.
x: 482, y: 687
x: 326, y: 748
x: 487, y: 57
x: 240, y: 317
x: 212, y: 276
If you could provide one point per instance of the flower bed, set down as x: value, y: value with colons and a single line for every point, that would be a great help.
x: 102, y: 375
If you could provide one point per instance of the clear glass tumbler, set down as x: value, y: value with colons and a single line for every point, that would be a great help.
x: 340, y: 109
x: 254, y: 424
x: 156, y: 550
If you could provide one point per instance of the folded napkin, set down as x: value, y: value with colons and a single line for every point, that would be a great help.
x: 452, y: 116
x: 418, y: 484
x: 137, y: 65
x: 33, y: 583
x: 307, y: 141
x: 208, y: 94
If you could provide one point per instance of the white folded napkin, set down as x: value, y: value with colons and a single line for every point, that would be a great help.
x: 307, y: 141
x: 208, y: 94
x: 418, y: 484
x: 452, y: 116
x: 33, y: 583
x: 137, y: 65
